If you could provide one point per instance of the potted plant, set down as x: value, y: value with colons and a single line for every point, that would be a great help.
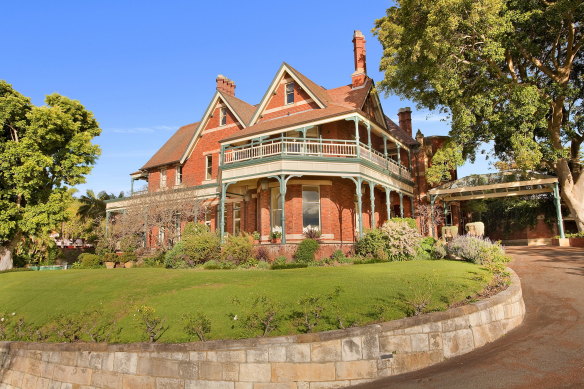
x: 128, y: 259
x: 110, y: 259
x: 256, y: 237
x: 276, y: 234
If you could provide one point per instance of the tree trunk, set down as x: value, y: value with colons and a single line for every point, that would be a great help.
x: 5, y: 258
x: 571, y: 188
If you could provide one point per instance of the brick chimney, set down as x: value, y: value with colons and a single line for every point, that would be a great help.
x: 359, y: 77
x: 225, y: 85
x: 405, y: 119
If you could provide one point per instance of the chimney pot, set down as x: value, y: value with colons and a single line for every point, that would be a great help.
x: 225, y: 85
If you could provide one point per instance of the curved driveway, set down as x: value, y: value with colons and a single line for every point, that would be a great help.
x: 546, y: 351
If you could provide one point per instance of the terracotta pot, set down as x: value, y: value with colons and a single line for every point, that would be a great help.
x: 110, y: 265
x: 276, y: 240
x: 256, y: 242
x: 129, y: 264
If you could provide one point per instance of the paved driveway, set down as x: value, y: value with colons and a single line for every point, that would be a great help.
x: 546, y: 351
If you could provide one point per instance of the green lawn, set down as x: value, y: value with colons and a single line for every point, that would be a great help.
x: 40, y: 296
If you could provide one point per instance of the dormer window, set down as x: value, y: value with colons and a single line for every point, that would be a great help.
x: 290, y: 93
x: 222, y: 116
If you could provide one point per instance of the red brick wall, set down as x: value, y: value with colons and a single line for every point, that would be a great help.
x: 278, y: 100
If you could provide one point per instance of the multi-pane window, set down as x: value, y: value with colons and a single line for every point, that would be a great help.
x: 209, y: 166
x: 276, y: 207
x: 163, y: 178
x: 448, y: 214
x: 236, y: 218
x: 178, y: 175
x: 222, y: 116
x: 290, y: 93
x: 311, y: 207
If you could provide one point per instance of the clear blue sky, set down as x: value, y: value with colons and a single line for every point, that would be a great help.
x: 145, y: 68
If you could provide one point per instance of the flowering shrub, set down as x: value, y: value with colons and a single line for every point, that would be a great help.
x: 198, y: 245
x: 276, y: 232
x: 311, y: 232
x: 476, y: 250
x: 394, y: 241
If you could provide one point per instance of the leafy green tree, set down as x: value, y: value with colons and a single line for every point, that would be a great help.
x: 507, y: 71
x: 43, y: 150
x: 93, y: 206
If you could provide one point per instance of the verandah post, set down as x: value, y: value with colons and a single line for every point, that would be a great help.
x: 372, y: 200
x: 401, y: 204
x: 559, y: 210
x: 388, y: 202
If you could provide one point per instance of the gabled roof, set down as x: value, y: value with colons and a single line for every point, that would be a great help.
x: 238, y: 107
x: 173, y: 149
x: 241, y: 108
x: 317, y: 93
x: 346, y: 95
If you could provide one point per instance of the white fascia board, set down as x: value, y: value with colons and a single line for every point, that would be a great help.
x: 283, y: 69
x: 202, y: 125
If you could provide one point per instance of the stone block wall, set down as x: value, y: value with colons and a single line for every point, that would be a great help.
x: 312, y: 361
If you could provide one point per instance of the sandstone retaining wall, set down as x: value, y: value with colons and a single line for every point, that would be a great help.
x: 321, y: 360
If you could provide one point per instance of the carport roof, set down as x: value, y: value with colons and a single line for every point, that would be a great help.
x: 501, y: 184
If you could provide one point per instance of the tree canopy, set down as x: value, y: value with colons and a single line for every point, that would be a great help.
x: 506, y: 71
x: 43, y: 151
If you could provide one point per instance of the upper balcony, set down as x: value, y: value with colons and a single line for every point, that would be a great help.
x: 332, y: 150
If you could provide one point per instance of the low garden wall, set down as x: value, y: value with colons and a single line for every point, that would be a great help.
x: 320, y: 360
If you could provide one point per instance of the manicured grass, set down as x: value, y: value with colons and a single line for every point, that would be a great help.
x: 40, y: 296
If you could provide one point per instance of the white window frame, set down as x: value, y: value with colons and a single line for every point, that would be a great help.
x: 163, y: 178
x: 236, y: 220
x: 208, y: 166
x: 178, y: 175
x: 319, y: 206
x: 222, y: 116
x: 286, y: 102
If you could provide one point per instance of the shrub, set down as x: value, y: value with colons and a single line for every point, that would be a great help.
x: 476, y: 250
x: 262, y: 254
x: 237, y: 249
x: 263, y: 265
x: 198, y: 245
x: 440, y: 249
x: 427, y: 247
x: 198, y: 325
x: 89, y: 261
x: 293, y: 265
x: 212, y: 265
x: 395, y: 240
x: 256, y: 235
x: 127, y: 257
x: 263, y: 316
x: 110, y: 257
x: 408, y: 220
x: 281, y: 260
x: 338, y: 256
x: 151, y: 324
x: 306, y: 251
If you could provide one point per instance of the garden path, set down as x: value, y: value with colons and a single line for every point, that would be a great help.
x: 546, y: 351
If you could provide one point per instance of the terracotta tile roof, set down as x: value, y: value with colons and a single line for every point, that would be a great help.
x: 346, y: 95
x: 294, y: 119
x: 243, y: 109
x: 400, y: 134
x: 317, y: 90
x: 174, y: 148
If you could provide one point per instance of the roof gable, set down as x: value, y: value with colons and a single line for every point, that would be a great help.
x: 239, y: 108
x: 316, y: 93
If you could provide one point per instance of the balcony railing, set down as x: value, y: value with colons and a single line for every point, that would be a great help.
x: 329, y: 148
